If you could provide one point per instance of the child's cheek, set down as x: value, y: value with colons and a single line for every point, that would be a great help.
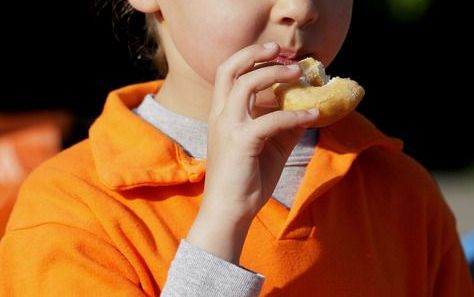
x: 209, y: 33
x: 214, y: 45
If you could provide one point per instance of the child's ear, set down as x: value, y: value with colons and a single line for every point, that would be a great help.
x: 145, y: 6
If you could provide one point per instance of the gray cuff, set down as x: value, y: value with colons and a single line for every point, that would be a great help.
x: 195, y: 272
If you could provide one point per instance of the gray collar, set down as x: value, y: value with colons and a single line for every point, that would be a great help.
x: 191, y: 134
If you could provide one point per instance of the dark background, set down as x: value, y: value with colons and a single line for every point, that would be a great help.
x: 61, y: 55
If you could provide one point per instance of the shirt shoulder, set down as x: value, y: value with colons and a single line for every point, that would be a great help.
x: 59, y: 191
x: 408, y: 188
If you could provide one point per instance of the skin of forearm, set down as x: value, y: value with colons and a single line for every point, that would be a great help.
x: 220, y: 233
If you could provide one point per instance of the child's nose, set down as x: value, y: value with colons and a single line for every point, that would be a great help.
x: 301, y: 12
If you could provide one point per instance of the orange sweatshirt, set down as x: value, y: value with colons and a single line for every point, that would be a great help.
x: 105, y: 217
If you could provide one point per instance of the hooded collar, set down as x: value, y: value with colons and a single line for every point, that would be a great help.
x: 128, y: 152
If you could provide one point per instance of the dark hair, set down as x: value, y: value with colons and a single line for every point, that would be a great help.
x: 139, y: 29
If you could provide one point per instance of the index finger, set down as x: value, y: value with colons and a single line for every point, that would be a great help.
x: 240, y: 63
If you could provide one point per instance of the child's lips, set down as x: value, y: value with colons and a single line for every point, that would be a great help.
x: 284, y: 60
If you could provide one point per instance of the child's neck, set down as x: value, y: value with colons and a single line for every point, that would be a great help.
x: 192, y: 100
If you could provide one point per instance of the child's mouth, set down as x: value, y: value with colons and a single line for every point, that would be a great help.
x: 284, y: 60
x: 290, y: 58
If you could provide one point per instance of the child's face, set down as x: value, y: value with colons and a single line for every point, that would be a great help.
x: 205, y: 33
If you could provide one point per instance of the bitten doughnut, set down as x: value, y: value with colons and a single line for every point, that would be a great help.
x: 335, y: 98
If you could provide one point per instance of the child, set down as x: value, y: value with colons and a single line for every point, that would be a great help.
x: 140, y: 208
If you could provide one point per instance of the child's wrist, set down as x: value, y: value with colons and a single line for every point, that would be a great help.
x: 231, y: 209
x: 219, y: 234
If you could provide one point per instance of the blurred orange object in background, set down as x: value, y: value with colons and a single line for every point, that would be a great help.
x: 26, y: 140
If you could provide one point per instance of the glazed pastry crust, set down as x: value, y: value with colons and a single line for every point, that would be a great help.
x: 313, y: 72
x: 334, y: 99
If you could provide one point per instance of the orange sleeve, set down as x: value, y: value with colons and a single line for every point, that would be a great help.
x: 54, y: 244
x: 453, y: 276
x: 58, y: 260
x: 450, y: 273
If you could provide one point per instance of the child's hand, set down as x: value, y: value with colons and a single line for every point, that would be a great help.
x: 245, y: 155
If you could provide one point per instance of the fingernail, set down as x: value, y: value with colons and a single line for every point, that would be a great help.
x: 269, y: 45
x: 293, y: 67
